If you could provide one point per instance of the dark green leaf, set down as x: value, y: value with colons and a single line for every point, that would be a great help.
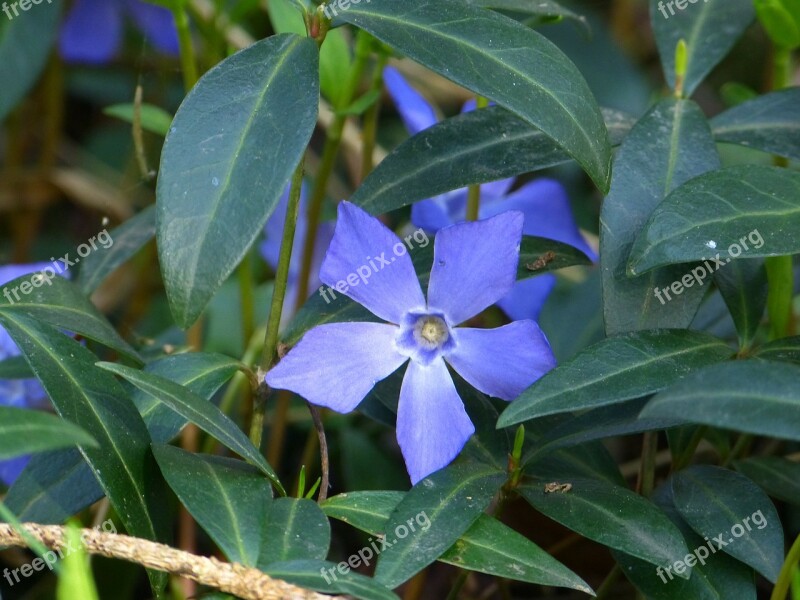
x: 199, y: 411
x: 748, y: 210
x: 127, y: 240
x: 779, y: 477
x: 27, y: 431
x: 617, y: 369
x: 669, y: 145
x: 367, y: 511
x: 497, y: 57
x: 710, y: 31
x: 611, y: 515
x: 743, y: 284
x: 784, y: 349
x: 448, y: 502
x: 538, y: 8
x: 722, y: 505
x: 294, y: 529
x: 228, y: 498
x: 327, y: 577
x: 25, y: 44
x: 725, y: 395
x: 84, y: 394
x: 474, y: 147
x: 59, y: 302
x: 591, y: 460
x: 770, y: 123
x: 233, y: 146
x: 152, y: 118
x: 15, y: 367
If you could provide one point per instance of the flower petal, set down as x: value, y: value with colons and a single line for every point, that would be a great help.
x: 526, y: 299
x: 435, y: 213
x: 11, y: 469
x: 337, y: 364
x: 432, y: 425
x: 92, y: 32
x: 545, y: 204
x: 416, y: 112
x: 502, y: 362
x: 370, y: 264
x: 157, y: 24
x: 474, y: 265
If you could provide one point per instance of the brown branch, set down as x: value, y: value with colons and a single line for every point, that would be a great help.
x: 233, y: 578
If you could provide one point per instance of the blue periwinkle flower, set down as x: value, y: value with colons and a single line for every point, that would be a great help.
x: 544, y: 203
x: 93, y: 29
x: 475, y: 264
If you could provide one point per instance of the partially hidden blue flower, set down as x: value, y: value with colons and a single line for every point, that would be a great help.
x: 271, y: 248
x: 19, y: 393
x: 544, y: 202
x: 475, y: 264
x: 93, y: 30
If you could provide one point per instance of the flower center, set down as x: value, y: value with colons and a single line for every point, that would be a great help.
x: 424, y: 336
x: 432, y: 330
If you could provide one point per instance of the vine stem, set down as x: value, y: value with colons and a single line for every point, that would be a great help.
x: 474, y: 191
x: 276, y: 308
x: 787, y: 572
x: 188, y: 64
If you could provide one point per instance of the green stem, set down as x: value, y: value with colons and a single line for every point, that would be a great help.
x: 474, y: 192
x: 787, y: 572
x: 647, y: 472
x: 278, y: 294
x: 188, y: 63
x: 369, y: 130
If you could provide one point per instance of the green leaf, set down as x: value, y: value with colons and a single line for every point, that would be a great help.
x: 326, y: 577
x: 498, y: 58
x: 75, y: 579
x: 218, y: 184
x: 228, y: 498
x: 25, y: 44
x: 83, y: 394
x: 27, y: 431
x: 784, y: 349
x: 449, y: 502
x: 770, y: 123
x: 334, y: 66
x: 196, y: 409
x: 59, y: 302
x: 743, y: 284
x: 669, y: 145
x: 747, y: 211
x: 15, y: 367
x: 724, y: 396
x: 294, y: 529
x: 285, y: 17
x: 722, y: 505
x: 367, y: 511
x: 487, y: 145
x: 611, y: 515
x: 127, y: 240
x: 539, y: 8
x: 152, y: 118
x: 779, y: 477
x: 617, y: 369
x: 778, y: 23
x: 710, y: 30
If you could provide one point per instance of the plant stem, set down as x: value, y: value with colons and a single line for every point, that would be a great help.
x: 247, y: 297
x: 188, y: 63
x: 787, y: 572
x: 323, y: 453
x: 369, y: 131
x: 474, y: 192
x: 647, y: 473
x: 276, y: 308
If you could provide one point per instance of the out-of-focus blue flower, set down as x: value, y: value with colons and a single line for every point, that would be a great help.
x: 271, y: 248
x: 544, y: 203
x: 93, y: 30
x: 475, y: 264
x: 19, y: 393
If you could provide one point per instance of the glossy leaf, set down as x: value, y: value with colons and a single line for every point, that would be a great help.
x: 450, y: 500
x: 311, y: 574
x: 151, y: 118
x: 294, y: 529
x: 128, y: 239
x: 770, y: 123
x: 669, y: 145
x: 724, y: 396
x: 617, y: 369
x: 15, y: 367
x: 474, y: 147
x: 197, y: 410
x: 546, y: 9
x: 498, y: 58
x: 367, y: 511
x: 784, y: 349
x: 743, y: 284
x: 228, y: 498
x: 611, y: 515
x: 709, y: 29
x: 778, y: 477
x: 27, y: 431
x: 748, y: 210
x: 61, y: 304
x: 83, y: 394
x: 218, y: 184
x: 722, y: 505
